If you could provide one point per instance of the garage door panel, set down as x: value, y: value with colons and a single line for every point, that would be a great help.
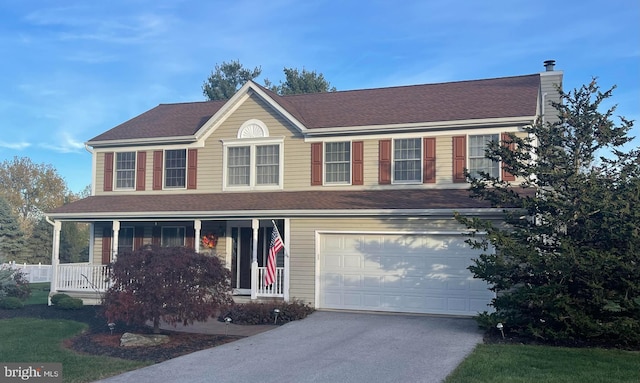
x: 400, y: 273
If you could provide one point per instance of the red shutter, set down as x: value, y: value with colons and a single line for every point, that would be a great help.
x: 190, y: 238
x: 192, y: 169
x: 141, y: 171
x: 108, y: 172
x: 316, y: 163
x: 156, y: 236
x: 106, y: 245
x: 429, y: 153
x: 507, y: 142
x: 357, y: 167
x: 384, y: 162
x: 459, y: 158
x: 157, y: 170
x: 138, y: 237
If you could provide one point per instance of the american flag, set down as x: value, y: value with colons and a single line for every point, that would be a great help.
x: 275, y: 246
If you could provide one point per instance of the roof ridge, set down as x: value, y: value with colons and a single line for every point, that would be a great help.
x: 409, y: 86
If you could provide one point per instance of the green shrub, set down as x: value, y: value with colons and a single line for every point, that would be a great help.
x: 10, y: 303
x: 263, y: 313
x: 56, y: 298
x: 13, y: 283
x: 69, y: 304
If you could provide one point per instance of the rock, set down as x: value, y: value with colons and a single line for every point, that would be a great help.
x: 139, y: 340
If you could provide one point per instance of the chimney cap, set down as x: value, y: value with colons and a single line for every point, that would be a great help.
x: 549, y: 64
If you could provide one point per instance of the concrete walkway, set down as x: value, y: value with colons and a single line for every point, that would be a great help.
x: 328, y: 347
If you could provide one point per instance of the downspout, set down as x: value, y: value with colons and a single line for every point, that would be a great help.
x: 93, y: 167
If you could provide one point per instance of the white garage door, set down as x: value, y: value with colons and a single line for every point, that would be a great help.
x: 400, y: 273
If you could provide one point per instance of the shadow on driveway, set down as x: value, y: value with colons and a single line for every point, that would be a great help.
x: 329, y: 347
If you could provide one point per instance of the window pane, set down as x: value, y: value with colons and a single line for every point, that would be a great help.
x: 172, y: 237
x: 125, y: 239
x: 267, y: 165
x: 407, y: 160
x: 337, y: 162
x: 477, y: 160
x: 238, y: 168
x: 175, y: 168
x: 125, y: 170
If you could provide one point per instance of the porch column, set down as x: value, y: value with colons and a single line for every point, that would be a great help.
x: 197, y: 226
x: 114, y: 247
x: 255, y: 225
x: 55, y: 258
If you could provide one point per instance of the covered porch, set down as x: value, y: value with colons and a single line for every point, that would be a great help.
x: 242, y: 245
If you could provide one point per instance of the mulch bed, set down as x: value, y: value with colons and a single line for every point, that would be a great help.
x: 98, y: 340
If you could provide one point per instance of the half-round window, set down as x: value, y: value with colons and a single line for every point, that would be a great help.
x: 253, y: 129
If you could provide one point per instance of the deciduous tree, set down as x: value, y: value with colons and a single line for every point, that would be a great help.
x: 169, y: 284
x: 225, y: 81
x: 566, y: 266
x: 299, y: 82
x: 30, y: 189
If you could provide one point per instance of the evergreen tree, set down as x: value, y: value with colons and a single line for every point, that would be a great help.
x: 566, y: 266
x: 39, y: 246
x: 12, y: 242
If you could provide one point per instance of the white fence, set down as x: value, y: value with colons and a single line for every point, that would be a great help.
x: 33, y: 273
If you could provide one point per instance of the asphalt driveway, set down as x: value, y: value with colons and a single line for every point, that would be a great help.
x: 329, y: 347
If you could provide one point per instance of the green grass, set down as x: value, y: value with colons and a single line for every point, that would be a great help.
x: 39, y: 293
x: 38, y: 340
x: 499, y: 363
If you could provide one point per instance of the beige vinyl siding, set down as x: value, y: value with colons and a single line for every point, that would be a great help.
x: 444, y: 160
x: 302, y: 244
x: 99, y: 173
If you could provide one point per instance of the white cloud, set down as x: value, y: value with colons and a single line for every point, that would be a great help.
x: 14, y: 145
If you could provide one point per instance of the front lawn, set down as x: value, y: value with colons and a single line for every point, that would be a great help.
x: 37, y: 340
x: 39, y: 293
x: 501, y: 363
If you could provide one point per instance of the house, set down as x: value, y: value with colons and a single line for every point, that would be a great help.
x: 361, y: 184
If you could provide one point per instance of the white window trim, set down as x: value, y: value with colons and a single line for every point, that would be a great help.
x: 252, y: 143
x: 184, y: 237
x: 164, y: 169
x: 393, y: 162
x: 115, y: 170
x: 324, y: 164
x: 468, y: 154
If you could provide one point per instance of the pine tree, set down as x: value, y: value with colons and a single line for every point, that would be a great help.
x: 566, y: 267
x: 12, y: 242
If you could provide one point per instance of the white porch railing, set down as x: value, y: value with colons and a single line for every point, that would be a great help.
x: 276, y: 289
x: 82, y: 277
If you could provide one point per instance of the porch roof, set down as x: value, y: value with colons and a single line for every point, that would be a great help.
x: 192, y: 205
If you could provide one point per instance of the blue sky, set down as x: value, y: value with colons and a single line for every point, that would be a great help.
x: 73, y: 69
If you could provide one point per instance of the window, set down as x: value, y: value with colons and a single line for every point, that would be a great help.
x: 407, y: 160
x: 175, y: 168
x: 337, y: 163
x: 125, y: 239
x: 239, y: 166
x: 172, y: 236
x: 267, y: 165
x: 477, y: 160
x: 253, y: 165
x: 125, y: 170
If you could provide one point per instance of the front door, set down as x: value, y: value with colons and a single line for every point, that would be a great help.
x: 241, y: 253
